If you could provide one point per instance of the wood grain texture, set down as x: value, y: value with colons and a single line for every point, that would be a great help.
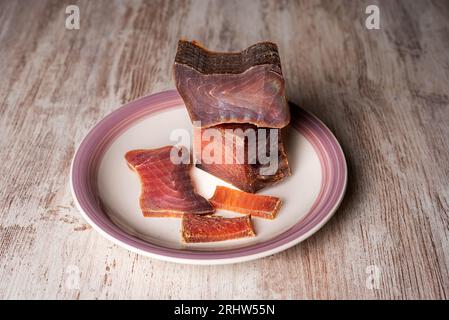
x: 384, y: 93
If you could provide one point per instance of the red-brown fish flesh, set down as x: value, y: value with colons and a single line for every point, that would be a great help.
x: 248, y: 203
x: 247, y: 175
x: 167, y: 189
x: 240, y: 87
x: 196, y: 228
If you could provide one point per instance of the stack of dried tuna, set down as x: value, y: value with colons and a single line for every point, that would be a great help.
x: 229, y: 91
x: 237, y: 105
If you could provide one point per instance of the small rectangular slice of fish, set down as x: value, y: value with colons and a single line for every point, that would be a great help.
x: 197, y: 228
x: 232, y: 87
x: 166, y: 187
x: 248, y: 203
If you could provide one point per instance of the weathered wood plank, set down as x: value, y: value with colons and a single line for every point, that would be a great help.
x: 384, y: 93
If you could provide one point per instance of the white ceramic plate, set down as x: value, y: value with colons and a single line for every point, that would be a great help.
x: 107, y: 191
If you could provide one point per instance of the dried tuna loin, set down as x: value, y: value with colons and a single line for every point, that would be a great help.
x: 167, y: 189
x: 238, y: 201
x: 197, y: 228
x: 246, y: 176
x: 242, y: 87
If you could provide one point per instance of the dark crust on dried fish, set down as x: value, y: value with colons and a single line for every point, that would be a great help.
x: 208, y: 62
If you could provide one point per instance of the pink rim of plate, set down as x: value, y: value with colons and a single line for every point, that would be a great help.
x: 89, y: 154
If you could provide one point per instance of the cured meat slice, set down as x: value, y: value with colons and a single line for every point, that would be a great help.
x: 228, y: 142
x: 197, y: 228
x: 240, y: 87
x: 167, y: 189
x: 238, y: 201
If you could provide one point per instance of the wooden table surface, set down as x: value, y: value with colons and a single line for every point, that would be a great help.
x: 384, y: 93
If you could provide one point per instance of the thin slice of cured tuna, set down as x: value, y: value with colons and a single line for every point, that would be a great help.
x: 167, y: 189
x: 253, y: 204
x: 197, y: 228
x: 240, y: 87
x: 217, y: 151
